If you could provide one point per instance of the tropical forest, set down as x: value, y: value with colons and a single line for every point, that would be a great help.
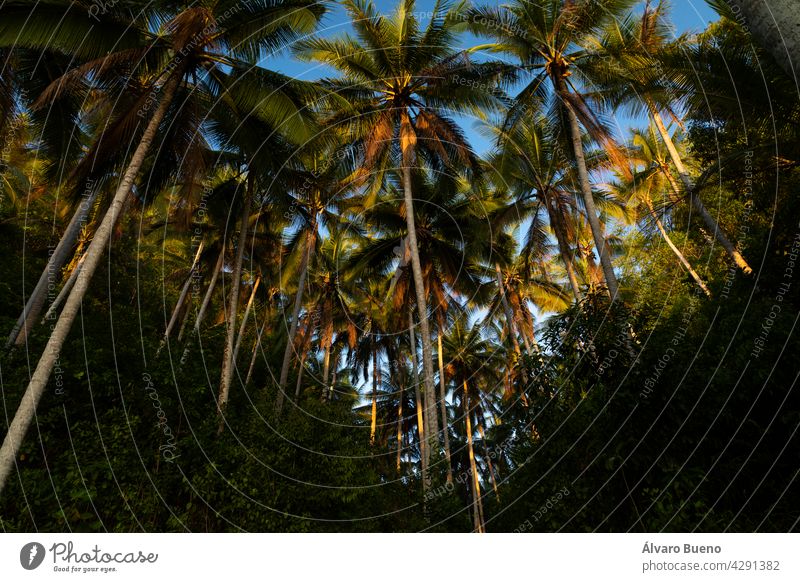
x: 398, y: 266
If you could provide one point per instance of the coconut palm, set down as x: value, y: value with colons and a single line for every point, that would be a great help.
x: 400, y: 84
x: 203, y: 46
x: 550, y: 39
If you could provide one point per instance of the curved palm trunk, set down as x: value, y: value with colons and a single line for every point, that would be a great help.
x: 419, y: 289
x: 598, y: 232
x: 298, y: 303
x: 477, y: 506
x: 56, y: 261
x: 374, y: 413
x: 776, y: 27
x: 443, y: 404
x: 209, y: 292
x: 710, y: 221
x: 228, y: 362
x: 683, y: 260
x: 33, y: 394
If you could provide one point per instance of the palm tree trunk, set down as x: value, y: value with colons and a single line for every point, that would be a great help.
x: 443, y: 404
x: 476, y: 488
x: 683, y: 260
x: 33, y: 394
x: 776, y: 27
x: 228, y: 362
x: 563, y: 248
x: 298, y: 303
x: 181, y: 300
x: 400, y: 428
x: 326, y: 359
x: 65, y: 290
x: 210, y: 291
x: 245, y: 318
x: 33, y: 307
x: 423, y: 445
x: 710, y: 221
x: 374, y: 413
x: 598, y: 232
x: 422, y: 309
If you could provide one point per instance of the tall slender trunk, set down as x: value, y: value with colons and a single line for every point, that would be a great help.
x: 710, y: 221
x: 400, y: 428
x: 181, y: 299
x: 311, y: 238
x: 477, y: 512
x: 33, y: 393
x: 374, y: 412
x: 598, y: 232
x: 228, y: 363
x: 246, y: 318
x: 443, y: 404
x: 422, y: 307
x: 210, y: 291
x: 326, y: 358
x: 33, y: 307
x: 683, y: 260
x: 65, y: 290
x: 423, y: 445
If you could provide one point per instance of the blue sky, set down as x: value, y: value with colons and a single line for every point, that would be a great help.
x: 687, y: 15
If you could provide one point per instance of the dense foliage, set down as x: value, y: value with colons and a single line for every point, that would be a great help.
x: 320, y: 310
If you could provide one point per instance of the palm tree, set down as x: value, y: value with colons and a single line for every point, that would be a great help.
x: 635, y: 48
x: 653, y: 177
x: 472, y: 366
x: 399, y: 84
x: 187, y: 50
x: 549, y: 38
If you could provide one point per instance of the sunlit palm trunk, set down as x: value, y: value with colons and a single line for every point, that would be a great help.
x: 311, y: 238
x: 51, y: 273
x: 598, y: 232
x: 477, y: 509
x: 710, y: 221
x: 33, y: 393
x: 400, y: 428
x: 228, y: 362
x: 429, y: 397
x: 181, y: 299
x: 209, y: 292
x: 443, y: 404
x: 423, y: 445
x: 245, y: 318
x: 683, y: 260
